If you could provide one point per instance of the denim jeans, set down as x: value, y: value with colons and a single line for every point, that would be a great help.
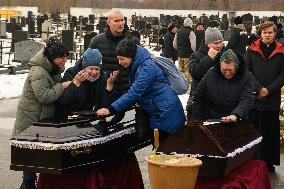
x: 29, y: 176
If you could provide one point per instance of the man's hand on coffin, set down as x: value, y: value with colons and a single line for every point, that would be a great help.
x: 103, y: 112
x: 228, y: 119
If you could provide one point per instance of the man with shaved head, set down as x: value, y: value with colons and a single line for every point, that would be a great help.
x: 116, y: 22
x: 124, y: 172
x: 106, y: 42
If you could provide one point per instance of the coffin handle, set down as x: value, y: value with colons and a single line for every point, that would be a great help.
x: 86, y: 150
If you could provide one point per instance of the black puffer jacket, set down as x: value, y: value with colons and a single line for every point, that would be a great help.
x: 268, y: 73
x: 238, y: 40
x: 217, y: 96
x: 169, y: 50
x: 106, y: 43
x: 199, y: 64
x: 183, y: 42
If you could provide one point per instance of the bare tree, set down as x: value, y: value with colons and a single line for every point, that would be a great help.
x: 195, y: 4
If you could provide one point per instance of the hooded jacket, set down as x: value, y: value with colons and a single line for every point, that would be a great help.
x: 150, y: 88
x: 216, y: 96
x: 41, y: 90
x: 268, y: 73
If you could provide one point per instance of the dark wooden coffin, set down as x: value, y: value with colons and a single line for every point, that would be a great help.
x: 54, y: 146
x: 221, y: 147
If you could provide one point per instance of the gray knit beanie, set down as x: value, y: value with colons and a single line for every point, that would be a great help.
x: 212, y: 34
x: 188, y: 22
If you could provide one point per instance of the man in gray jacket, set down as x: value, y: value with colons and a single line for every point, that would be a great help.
x: 186, y: 45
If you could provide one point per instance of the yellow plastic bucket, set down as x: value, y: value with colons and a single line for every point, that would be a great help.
x: 172, y: 172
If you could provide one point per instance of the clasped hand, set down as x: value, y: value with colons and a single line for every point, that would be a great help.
x: 103, y: 112
x: 230, y: 118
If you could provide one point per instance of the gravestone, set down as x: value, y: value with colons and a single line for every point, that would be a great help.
x: 225, y: 24
x: 232, y: 15
x: 68, y: 39
x: 39, y: 22
x: 21, y: 36
x: 102, y: 24
x: 91, y: 19
x: 11, y: 27
x: 56, y: 16
x: 87, y: 39
x: 226, y: 34
x: 25, y: 50
x: 84, y: 21
x: 2, y: 29
x: 46, y: 27
x: 13, y: 20
x: 73, y: 23
x: 31, y: 26
x: 89, y: 28
x: 30, y: 15
x: 23, y: 21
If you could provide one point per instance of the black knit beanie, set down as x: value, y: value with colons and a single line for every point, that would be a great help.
x: 55, y: 49
x: 238, y: 20
x: 126, y: 48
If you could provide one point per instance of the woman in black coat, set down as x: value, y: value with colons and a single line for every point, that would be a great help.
x: 225, y: 92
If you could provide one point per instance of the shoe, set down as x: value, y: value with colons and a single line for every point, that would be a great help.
x: 271, y: 168
x: 28, y: 185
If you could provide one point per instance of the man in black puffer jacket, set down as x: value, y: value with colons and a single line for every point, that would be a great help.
x: 106, y: 43
x: 225, y: 92
x: 202, y: 60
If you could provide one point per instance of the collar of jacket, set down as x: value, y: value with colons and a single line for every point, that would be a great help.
x: 110, y: 36
x: 239, y: 26
x: 279, y: 48
x: 203, y: 48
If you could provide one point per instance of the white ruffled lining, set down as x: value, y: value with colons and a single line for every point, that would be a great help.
x: 229, y: 155
x: 71, y: 145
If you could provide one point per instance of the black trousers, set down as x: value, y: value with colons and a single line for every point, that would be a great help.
x: 268, y: 125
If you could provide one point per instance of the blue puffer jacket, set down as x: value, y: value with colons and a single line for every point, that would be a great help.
x: 150, y: 88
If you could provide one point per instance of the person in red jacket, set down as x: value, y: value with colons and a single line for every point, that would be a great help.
x: 265, y: 60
